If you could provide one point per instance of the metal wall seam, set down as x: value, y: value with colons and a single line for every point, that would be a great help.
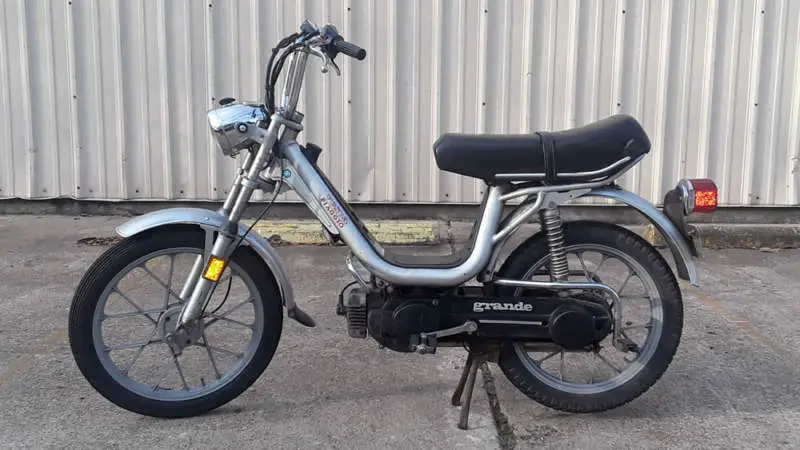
x: 7, y: 181
x: 26, y: 102
x: 793, y: 186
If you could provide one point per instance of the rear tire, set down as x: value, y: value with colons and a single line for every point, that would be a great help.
x: 93, y: 286
x: 582, y: 233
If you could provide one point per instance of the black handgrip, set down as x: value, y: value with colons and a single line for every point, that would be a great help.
x: 351, y: 50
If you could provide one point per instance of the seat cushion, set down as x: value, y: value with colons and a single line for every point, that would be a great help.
x: 591, y: 152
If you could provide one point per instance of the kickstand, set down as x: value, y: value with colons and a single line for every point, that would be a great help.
x: 467, y: 380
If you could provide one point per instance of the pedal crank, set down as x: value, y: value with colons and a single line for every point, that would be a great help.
x: 427, y: 341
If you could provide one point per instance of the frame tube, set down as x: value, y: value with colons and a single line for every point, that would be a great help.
x: 324, y: 200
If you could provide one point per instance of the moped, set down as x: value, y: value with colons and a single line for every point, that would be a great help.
x: 582, y: 316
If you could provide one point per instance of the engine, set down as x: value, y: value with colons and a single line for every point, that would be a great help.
x: 396, y: 320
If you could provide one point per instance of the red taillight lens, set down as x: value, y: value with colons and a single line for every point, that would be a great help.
x: 705, y: 195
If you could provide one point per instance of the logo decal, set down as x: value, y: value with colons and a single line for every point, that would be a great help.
x: 335, y: 214
x: 483, y: 306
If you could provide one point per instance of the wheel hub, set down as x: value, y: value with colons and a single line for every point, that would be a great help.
x: 178, y: 338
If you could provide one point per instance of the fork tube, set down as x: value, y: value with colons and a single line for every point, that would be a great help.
x: 223, y: 243
x: 249, y: 182
x: 237, y: 184
x: 194, y: 274
x: 293, y: 83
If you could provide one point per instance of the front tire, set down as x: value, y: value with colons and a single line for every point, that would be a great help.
x: 114, y: 382
x: 555, y: 391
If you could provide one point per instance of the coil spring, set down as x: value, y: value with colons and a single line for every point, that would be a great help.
x: 551, y: 223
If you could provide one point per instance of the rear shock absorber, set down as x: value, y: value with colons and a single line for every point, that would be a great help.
x: 550, y: 219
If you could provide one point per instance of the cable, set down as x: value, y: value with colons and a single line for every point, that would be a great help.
x: 241, y: 239
x: 269, y: 97
x: 224, y: 299
x: 277, y: 71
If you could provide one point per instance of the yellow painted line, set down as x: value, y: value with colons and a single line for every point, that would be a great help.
x: 404, y: 232
x: 746, y: 326
x: 392, y: 232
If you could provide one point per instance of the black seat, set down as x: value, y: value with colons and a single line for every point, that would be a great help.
x: 588, y: 153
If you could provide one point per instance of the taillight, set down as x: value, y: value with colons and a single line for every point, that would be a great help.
x: 698, y: 195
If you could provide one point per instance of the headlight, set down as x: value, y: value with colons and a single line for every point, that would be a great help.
x: 231, y: 125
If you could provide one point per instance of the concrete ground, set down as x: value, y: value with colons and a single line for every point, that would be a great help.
x: 733, y: 383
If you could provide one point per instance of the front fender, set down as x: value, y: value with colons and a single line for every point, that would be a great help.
x: 213, y: 220
x: 675, y: 240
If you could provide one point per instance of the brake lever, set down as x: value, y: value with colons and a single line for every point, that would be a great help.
x: 332, y: 62
x: 327, y: 61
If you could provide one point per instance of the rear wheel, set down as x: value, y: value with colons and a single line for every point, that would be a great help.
x: 125, y: 305
x: 651, y: 311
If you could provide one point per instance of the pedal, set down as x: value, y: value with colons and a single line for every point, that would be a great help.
x: 301, y: 316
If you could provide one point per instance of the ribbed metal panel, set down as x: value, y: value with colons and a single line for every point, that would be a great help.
x: 106, y: 99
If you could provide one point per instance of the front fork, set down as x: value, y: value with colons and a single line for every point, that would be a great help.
x: 203, y: 278
x: 200, y: 282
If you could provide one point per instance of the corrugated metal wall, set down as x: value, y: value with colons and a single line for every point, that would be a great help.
x: 106, y: 99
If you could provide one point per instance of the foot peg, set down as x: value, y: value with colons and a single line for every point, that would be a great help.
x: 301, y: 316
x: 464, y: 398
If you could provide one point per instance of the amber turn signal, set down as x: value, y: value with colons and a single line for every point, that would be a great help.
x: 214, y: 269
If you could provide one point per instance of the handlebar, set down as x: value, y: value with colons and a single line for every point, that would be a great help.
x: 324, y: 43
x: 337, y: 44
x: 349, y: 49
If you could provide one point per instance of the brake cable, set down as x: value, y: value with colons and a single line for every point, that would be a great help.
x: 241, y: 239
x: 269, y: 90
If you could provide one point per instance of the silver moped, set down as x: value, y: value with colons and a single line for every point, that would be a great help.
x: 583, y: 316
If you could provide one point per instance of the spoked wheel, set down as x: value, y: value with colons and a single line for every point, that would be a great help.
x: 128, y: 303
x: 650, y: 312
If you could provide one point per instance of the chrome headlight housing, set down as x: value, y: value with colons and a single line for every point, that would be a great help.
x: 232, y: 124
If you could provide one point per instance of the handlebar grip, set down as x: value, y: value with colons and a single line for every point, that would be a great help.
x: 351, y: 50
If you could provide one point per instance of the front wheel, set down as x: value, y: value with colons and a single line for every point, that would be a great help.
x: 122, y: 313
x: 651, y: 317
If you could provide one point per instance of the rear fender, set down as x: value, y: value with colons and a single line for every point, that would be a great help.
x: 678, y: 245
x: 213, y: 221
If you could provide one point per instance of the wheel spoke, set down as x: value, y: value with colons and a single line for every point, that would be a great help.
x: 625, y: 283
x: 138, y: 353
x: 223, y: 350
x: 645, y: 326
x: 217, y: 318
x: 180, y: 372
x: 138, y: 309
x: 608, y: 363
x: 159, y: 281
x: 602, y: 260
x: 143, y: 312
x: 561, y: 369
x: 583, y: 264
x: 540, y: 361
x: 211, y: 357
x: 591, y: 276
x: 129, y: 346
x: 169, y: 280
x: 594, y: 364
